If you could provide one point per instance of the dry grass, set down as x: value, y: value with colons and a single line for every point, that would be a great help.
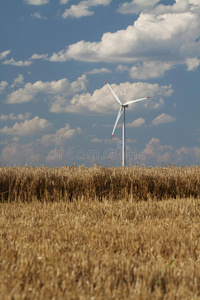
x: 91, y: 249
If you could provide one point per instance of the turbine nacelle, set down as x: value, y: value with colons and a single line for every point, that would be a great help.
x: 125, y: 105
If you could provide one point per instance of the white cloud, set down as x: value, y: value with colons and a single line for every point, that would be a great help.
x: 98, y: 71
x: 39, y: 56
x: 96, y: 140
x: 62, y: 86
x: 3, y: 85
x: 122, y: 68
x: 83, y: 8
x: 136, y: 123
x: 36, y: 2
x: 158, y: 104
x: 109, y: 141
x: 60, y: 137
x: 37, y: 15
x: 156, y: 153
x: 11, y: 116
x: 131, y: 141
x: 4, y: 54
x: 18, y: 81
x: 102, y: 100
x: 28, y: 127
x: 192, y: 63
x: 112, y: 141
x: 21, y: 95
x: 20, y: 154
x: 77, y: 11
x: 163, y: 118
x: 151, y: 69
x: 155, y: 40
x: 196, y: 2
x: 64, y: 1
x: 180, y: 6
x: 192, y: 154
x: 19, y: 63
x: 136, y: 6
x: 15, y: 139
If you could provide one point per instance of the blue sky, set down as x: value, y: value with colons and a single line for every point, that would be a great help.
x: 55, y: 58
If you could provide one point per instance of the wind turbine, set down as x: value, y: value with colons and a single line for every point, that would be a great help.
x: 123, y: 109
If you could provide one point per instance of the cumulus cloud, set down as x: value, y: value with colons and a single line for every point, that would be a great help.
x: 77, y: 11
x: 96, y: 140
x: 151, y: 69
x: 18, y: 81
x: 37, y: 15
x: 98, y: 71
x: 154, y: 69
x: 122, y: 68
x: 156, y: 153
x: 82, y: 9
x: 136, y: 6
x: 192, y: 63
x: 11, y: 116
x: 136, y: 123
x: 3, y: 85
x: 62, y: 86
x: 20, y: 154
x: 19, y: 63
x: 131, y: 141
x: 4, y: 54
x: 60, y: 137
x: 160, y: 39
x: 38, y: 56
x: 106, y: 141
x: 28, y: 127
x: 36, y: 2
x: 64, y: 1
x: 163, y: 118
x: 180, y: 6
x: 102, y: 101
x: 191, y: 154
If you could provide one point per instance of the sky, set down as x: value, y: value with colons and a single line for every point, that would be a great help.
x: 55, y: 106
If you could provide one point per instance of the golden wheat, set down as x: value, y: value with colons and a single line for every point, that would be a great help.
x: 68, y: 183
x: 81, y: 248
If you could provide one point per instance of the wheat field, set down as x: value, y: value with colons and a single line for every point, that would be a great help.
x: 100, y: 233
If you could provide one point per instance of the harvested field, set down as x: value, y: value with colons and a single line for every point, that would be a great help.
x: 122, y: 244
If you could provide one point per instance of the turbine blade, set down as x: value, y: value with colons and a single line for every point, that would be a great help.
x: 114, y: 93
x: 118, y: 117
x: 133, y: 101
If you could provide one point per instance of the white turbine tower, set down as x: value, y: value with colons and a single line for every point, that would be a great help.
x: 122, y: 109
